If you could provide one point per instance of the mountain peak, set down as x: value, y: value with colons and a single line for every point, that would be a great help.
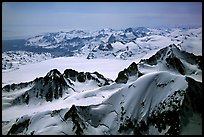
x: 174, y: 46
x: 132, y: 70
x: 53, y: 73
x: 128, y: 30
x: 82, y: 77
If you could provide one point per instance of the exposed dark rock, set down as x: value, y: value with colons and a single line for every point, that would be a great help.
x: 109, y: 46
x: 50, y: 87
x: 81, y: 77
x: 122, y: 78
x: 176, y: 64
x: 111, y: 39
x: 78, y: 124
x: 153, y: 59
x: 19, y: 127
x: 132, y: 70
x: 192, y: 98
x: 53, y: 84
x: 105, y: 47
x: 91, y: 56
x: 14, y: 86
x: 70, y: 73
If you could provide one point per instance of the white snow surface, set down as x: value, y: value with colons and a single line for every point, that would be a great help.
x: 108, y: 98
x: 145, y: 89
x: 108, y: 67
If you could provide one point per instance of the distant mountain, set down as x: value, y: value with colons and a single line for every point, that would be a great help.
x: 108, y: 43
x: 124, y: 44
x: 12, y: 60
x: 72, y: 42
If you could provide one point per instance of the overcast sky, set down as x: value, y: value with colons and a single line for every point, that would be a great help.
x: 25, y: 19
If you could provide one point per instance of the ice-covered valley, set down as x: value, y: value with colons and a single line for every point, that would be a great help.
x: 108, y: 67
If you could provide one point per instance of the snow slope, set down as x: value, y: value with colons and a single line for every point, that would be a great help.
x: 129, y: 107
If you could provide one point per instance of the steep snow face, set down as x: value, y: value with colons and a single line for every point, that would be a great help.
x: 12, y: 60
x: 147, y: 92
x: 53, y: 92
x: 151, y: 105
x: 133, y: 109
x: 138, y: 101
x: 78, y: 92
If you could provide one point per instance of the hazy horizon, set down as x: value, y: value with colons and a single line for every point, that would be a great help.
x: 25, y: 19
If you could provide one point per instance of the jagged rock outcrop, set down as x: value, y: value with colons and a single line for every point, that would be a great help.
x: 82, y: 77
x: 124, y: 75
x: 53, y: 85
x: 20, y: 125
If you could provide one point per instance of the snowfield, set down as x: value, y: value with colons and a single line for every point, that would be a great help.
x: 108, y: 67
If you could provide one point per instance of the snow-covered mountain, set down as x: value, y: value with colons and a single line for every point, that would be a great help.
x: 127, y: 43
x: 154, y: 104
x: 139, y: 108
x: 173, y: 59
x: 159, y: 95
x: 54, y: 85
x: 11, y: 60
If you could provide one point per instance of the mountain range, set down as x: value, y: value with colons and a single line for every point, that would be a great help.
x: 125, y: 44
x: 159, y: 95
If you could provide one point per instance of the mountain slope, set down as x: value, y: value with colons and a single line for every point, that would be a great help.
x: 157, y: 96
x: 56, y: 85
x: 135, y: 109
x: 171, y: 58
